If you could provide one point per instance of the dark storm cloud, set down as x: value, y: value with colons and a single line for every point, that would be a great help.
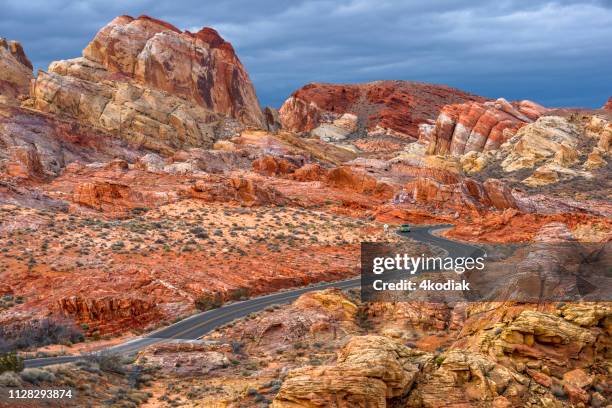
x: 557, y: 53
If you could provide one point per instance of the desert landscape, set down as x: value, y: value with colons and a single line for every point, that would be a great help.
x: 142, y: 183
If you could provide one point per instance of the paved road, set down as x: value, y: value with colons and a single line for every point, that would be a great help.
x: 198, y: 325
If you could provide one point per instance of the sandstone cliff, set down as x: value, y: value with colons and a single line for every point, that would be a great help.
x: 463, y: 128
x: 15, y: 72
x: 153, y: 85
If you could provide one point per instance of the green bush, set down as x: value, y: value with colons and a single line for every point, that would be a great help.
x: 10, y: 362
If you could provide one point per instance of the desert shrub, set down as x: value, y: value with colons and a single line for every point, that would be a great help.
x: 238, y: 294
x: 237, y: 347
x: 10, y: 362
x: 37, y: 375
x: 38, y: 333
x: 109, y: 362
x: 209, y: 301
x: 10, y: 379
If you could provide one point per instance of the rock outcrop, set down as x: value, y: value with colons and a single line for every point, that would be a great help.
x: 474, y: 126
x: 463, y: 194
x: 153, y: 86
x: 185, y: 358
x: 608, y: 105
x: 318, y: 315
x: 15, y: 72
x: 394, y: 108
x: 553, y: 147
x: 39, y: 145
x: 369, y: 370
x: 201, y: 67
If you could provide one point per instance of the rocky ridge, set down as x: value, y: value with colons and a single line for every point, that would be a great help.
x: 150, y: 84
x: 383, y: 108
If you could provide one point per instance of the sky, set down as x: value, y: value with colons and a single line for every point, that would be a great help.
x: 558, y: 53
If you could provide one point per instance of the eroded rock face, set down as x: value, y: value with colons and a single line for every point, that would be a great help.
x: 149, y: 84
x: 320, y: 315
x: 474, y: 126
x: 553, y: 147
x: 15, y: 72
x: 369, y: 370
x: 186, y: 358
x: 395, y: 108
x: 200, y: 66
x: 608, y: 105
x: 462, y: 193
x: 38, y: 145
x: 108, y: 310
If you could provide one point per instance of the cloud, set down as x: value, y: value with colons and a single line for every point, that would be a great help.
x: 557, y: 53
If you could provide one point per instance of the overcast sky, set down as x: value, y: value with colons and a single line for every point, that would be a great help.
x: 556, y: 53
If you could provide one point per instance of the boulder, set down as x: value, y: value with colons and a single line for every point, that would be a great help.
x: 369, y: 370
x: 273, y: 166
x: 24, y: 162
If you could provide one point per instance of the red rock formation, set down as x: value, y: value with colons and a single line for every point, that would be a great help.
x: 103, y: 196
x: 38, y: 145
x: 273, y: 166
x: 393, y: 107
x: 608, y: 105
x: 106, y: 308
x: 346, y: 178
x: 146, y: 83
x: 107, y: 314
x: 465, y: 194
x: 15, y: 72
x: 477, y: 126
x: 309, y: 172
x: 201, y: 66
x: 25, y: 162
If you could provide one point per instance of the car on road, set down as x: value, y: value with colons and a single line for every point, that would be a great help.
x: 404, y: 228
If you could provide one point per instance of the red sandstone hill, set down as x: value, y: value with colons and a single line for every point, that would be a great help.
x: 608, y: 106
x: 153, y: 86
x: 387, y: 107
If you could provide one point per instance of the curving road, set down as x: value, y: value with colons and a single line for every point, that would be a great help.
x: 198, y: 325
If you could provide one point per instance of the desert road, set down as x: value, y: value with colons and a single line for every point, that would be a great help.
x: 198, y: 325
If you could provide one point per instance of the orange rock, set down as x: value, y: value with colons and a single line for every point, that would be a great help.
x: 344, y: 177
x: 575, y: 394
x: 104, y: 196
x: 394, y: 107
x: 25, y: 162
x: 200, y: 66
x: 578, y: 378
x: 15, y: 72
x: 476, y: 126
x: 273, y: 166
x: 540, y: 378
x: 309, y: 172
